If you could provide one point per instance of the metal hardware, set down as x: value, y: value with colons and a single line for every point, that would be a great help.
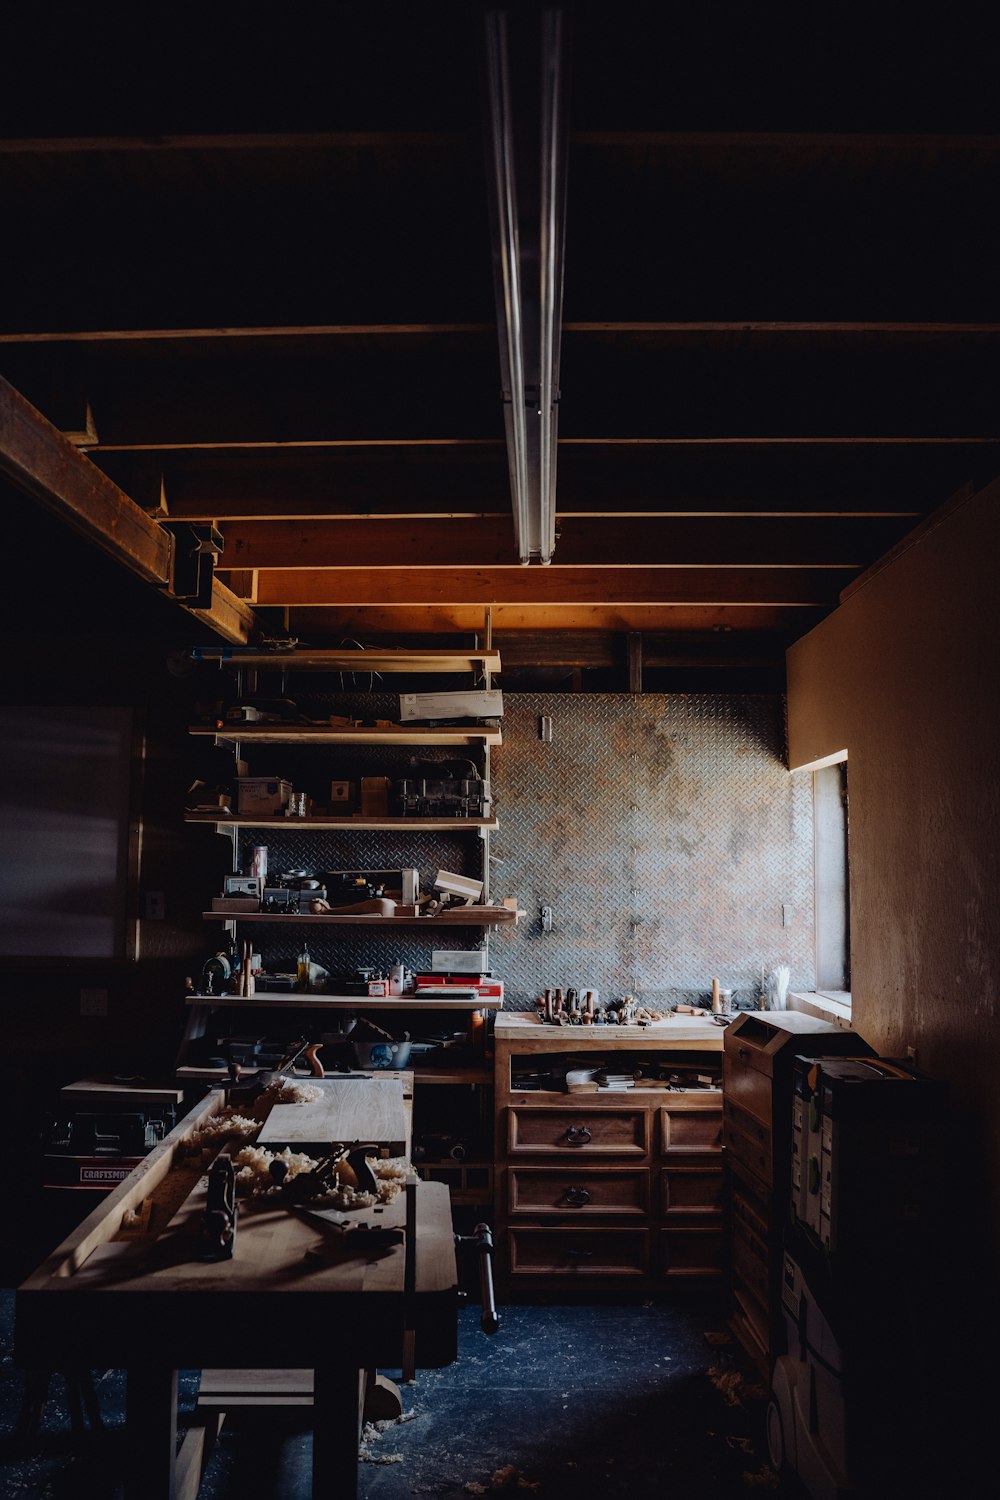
x: 578, y: 1135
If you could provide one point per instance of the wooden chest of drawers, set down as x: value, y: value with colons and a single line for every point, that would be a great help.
x: 608, y: 1189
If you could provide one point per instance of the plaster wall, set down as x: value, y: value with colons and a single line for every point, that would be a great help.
x: 904, y: 676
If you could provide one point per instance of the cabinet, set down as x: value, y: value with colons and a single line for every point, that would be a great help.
x: 616, y: 1188
x: 310, y: 753
x: 759, y: 1055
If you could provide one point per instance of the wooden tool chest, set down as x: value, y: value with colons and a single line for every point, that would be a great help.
x: 619, y: 1185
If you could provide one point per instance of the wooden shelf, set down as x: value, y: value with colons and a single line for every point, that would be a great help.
x: 413, y: 825
x: 299, y: 1001
x: 327, y: 734
x: 497, y: 917
x: 434, y: 659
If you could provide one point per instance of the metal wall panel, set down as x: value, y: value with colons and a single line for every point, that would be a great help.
x: 664, y: 832
x: 666, y: 835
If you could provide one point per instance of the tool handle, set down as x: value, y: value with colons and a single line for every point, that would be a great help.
x: 481, y: 1243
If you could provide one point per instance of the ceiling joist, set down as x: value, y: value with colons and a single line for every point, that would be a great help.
x: 43, y: 462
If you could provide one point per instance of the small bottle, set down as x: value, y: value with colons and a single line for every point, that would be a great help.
x: 302, y: 966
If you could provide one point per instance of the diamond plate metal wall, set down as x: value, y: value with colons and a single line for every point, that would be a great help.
x: 666, y: 835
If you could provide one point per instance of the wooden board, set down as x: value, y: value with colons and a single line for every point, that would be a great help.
x: 352, y: 1109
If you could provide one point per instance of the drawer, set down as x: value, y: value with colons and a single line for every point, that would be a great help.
x: 751, y: 1263
x: 747, y: 1088
x: 578, y: 1190
x: 689, y: 1191
x: 579, y: 1252
x: 692, y: 1252
x: 585, y: 1132
x: 691, y: 1127
x: 749, y: 1141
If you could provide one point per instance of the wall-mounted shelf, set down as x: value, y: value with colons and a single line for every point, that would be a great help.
x: 292, y: 825
x: 299, y: 1001
x: 327, y: 734
x: 380, y: 660
x: 465, y: 916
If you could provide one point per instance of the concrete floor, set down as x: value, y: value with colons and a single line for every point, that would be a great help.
x: 608, y: 1401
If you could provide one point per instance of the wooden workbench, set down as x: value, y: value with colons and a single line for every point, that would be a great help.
x: 292, y: 1296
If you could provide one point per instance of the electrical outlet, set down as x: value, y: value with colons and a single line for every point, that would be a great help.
x: 156, y: 906
x: 93, y: 1002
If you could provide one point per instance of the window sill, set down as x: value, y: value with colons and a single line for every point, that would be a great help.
x: 826, y: 1007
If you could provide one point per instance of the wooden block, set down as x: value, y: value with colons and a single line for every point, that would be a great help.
x: 352, y: 1109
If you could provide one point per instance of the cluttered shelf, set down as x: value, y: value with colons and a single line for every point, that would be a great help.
x: 295, y: 1000
x: 459, y: 916
x: 356, y: 660
x: 351, y: 824
x: 324, y: 734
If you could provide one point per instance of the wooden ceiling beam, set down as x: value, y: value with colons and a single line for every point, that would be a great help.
x: 44, y: 462
x: 551, y: 585
x: 390, y: 623
x: 584, y: 541
x: 41, y: 461
x: 337, y: 331
x: 775, y: 440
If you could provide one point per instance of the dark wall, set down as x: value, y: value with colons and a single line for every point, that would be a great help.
x: 79, y: 629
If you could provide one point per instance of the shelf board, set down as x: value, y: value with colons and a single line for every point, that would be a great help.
x: 497, y: 917
x: 415, y: 825
x: 298, y: 1001
x: 449, y: 1075
x: 327, y: 734
x: 435, y: 659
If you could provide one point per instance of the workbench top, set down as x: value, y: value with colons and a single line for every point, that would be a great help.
x: 686, y: 1033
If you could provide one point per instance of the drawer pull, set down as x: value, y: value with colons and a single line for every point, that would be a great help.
x: 580, y: 1254
x: 576, y: 1197
x: 577, y: 1135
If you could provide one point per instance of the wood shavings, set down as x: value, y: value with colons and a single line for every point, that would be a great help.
x: 507, y: 1478
x: 253, y: 1168
x: 763, y: 1479
x: 254, y: 1180
x: 227, y: 1125
x: 729, y: 1384
x: 291, y: 1091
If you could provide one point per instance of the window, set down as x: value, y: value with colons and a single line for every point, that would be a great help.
x: 832, y: 882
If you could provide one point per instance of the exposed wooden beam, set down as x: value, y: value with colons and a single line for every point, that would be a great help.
x: 551, y: 585
x: 308, y: 331
x: 271, y: 334
x: 866, y: 440
x: 149, y: 145
x: 589, y: 541
x: 514, y: 623
x: 44, y: 463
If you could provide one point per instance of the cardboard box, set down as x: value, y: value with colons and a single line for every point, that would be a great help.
x: 262, y: 794
x: 235, y: 904
x: 375, y: 796
x: 472, y: 705
x: 341, y: 796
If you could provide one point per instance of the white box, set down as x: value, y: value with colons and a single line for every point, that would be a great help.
x: 471, y: 705
x: 262, y: 794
